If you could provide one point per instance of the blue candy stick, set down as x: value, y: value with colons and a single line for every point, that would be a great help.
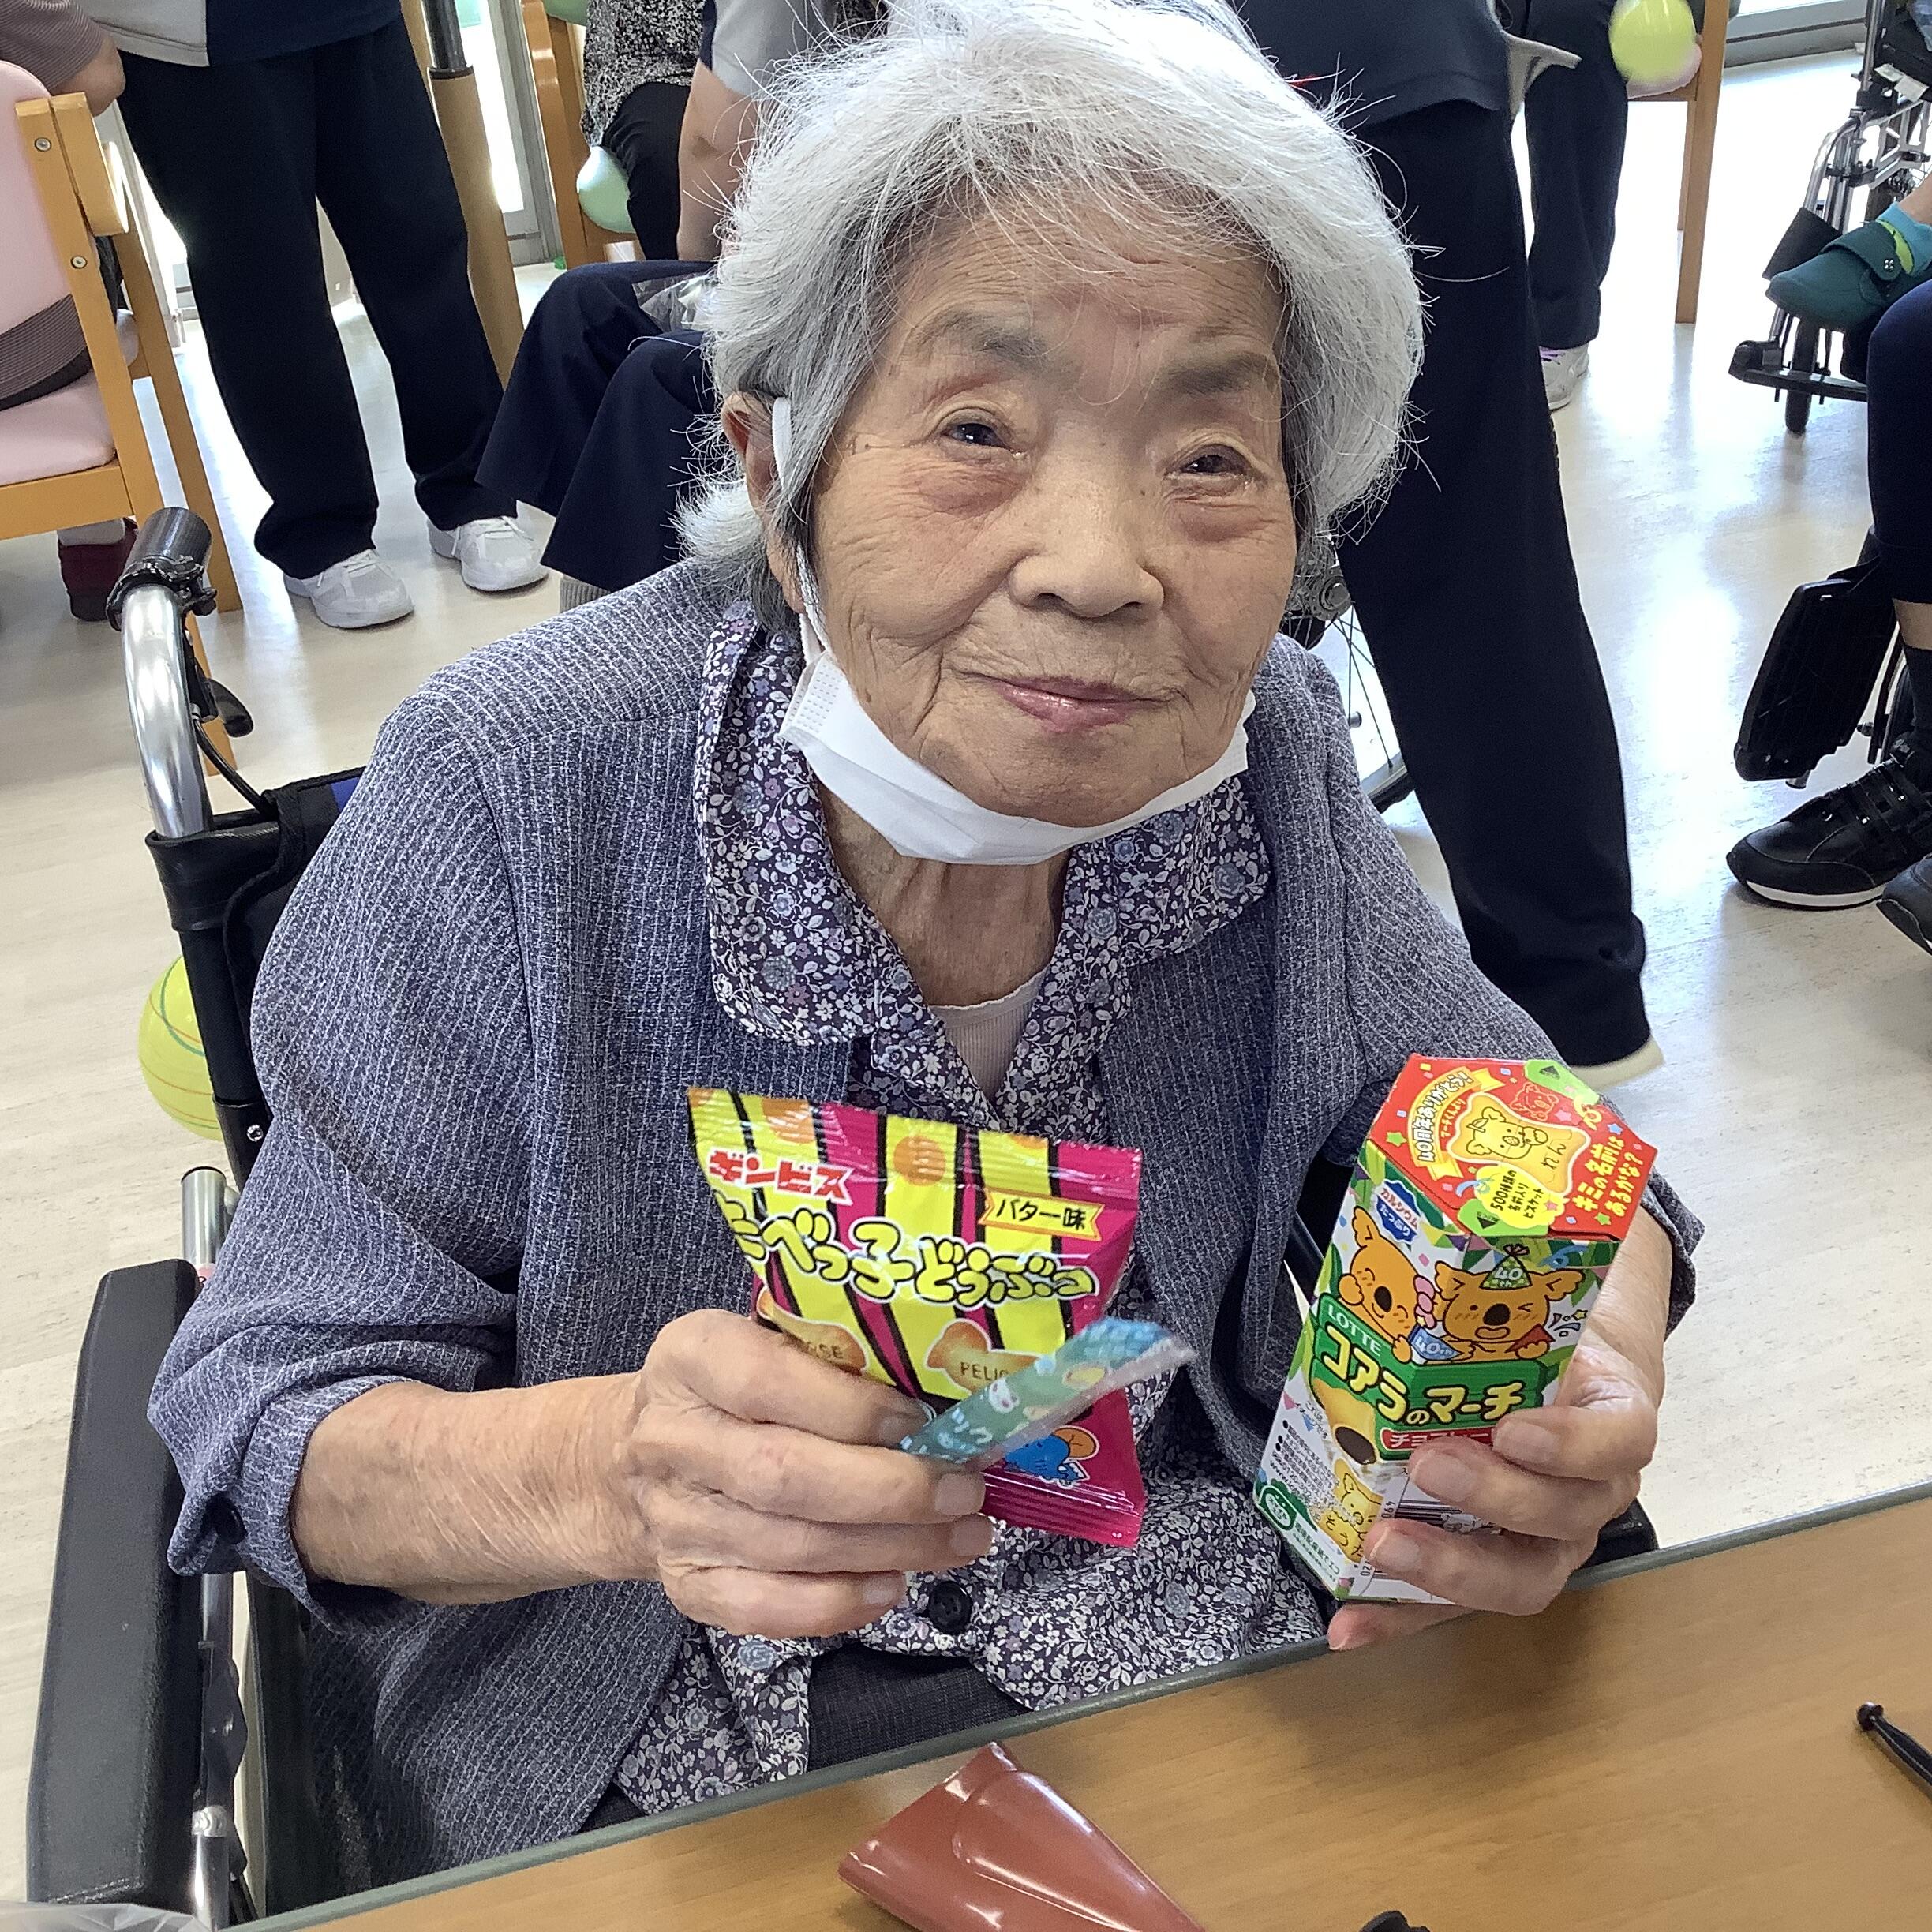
x: 1033, y: 1402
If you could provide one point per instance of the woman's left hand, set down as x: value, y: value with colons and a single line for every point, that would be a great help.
x: 1553, y: 1477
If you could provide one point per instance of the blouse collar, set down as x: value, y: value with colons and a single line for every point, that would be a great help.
x: 796, y: 956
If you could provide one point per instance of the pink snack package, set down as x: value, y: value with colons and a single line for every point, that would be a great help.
x: 940, y: 1258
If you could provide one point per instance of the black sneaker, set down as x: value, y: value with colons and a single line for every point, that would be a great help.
x: 1843, y: 847
x: 1907, y: 903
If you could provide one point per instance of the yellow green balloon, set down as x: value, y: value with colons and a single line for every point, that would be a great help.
x: 169, y: 1046
x: 1652, y: 41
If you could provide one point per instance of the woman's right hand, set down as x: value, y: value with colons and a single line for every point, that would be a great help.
x: 757, y: 1484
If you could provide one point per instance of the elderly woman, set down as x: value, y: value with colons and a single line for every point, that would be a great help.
x: 959, y: 774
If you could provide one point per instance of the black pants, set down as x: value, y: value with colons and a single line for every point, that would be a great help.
x: 1469, y: 601
x: 239, y: 156
x: 643, y: 139
x: 598, y: 421
x: 1898, y: 375
x: 1575, y: 119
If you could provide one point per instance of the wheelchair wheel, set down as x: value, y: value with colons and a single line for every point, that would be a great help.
x: 1803, y: 360
x: 1322, y: 619
x: 1378, y: 760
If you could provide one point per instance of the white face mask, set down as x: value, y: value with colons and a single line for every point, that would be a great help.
x: 915, y: 810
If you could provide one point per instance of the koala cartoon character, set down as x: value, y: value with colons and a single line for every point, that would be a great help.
x: 1546, y: 1153
x: 1380, y: 1285
x: 1350, y: 1512
x: 1351, y: 1422
x: 1498, y: 1314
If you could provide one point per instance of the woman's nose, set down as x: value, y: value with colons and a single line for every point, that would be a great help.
x: 1087, y: 540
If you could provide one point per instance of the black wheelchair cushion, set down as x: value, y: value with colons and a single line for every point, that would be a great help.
x: 115, y: 1752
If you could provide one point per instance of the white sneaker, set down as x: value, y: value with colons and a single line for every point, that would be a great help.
x: 359, y: 591
x: 1563, y: 374
x: 1646, y: 1059
x: 494, y: 553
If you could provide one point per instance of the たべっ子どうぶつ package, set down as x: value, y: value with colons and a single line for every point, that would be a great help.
x: 1488, y: 1201
x: 940, y: 1258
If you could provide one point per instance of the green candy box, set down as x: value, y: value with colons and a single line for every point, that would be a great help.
x: 1488, y: 1201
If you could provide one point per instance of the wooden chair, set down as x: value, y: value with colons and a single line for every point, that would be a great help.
x: 586, y: 184
x: 95, y: 422
x: 1700, y: 150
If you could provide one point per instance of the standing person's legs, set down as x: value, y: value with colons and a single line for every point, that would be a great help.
x: 643, y: 137
x: 1575, y: 120
x: 384, y: 178
x: 1469, y: 600
x: 230, y: 152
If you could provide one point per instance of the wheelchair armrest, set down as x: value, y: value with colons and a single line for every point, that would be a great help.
x: 1631, y: 1534
x: 116, y: 1751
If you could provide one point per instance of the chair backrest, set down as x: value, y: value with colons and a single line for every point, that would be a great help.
x: 30, y: 275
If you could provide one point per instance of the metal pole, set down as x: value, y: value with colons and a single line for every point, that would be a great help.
x: 459, y: 111
x: 206, y: 1204
x: 445, y: 32
x: 152, y: 642
x: 205, y: 1209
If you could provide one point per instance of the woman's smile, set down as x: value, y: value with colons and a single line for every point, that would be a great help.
x: 1070, y: 704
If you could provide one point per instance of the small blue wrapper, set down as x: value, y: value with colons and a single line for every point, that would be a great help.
x: 1033, y: 1402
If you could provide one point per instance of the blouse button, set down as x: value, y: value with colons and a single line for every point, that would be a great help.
x: 949, y: 1608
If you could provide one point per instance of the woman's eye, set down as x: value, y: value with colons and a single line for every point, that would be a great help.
x: 979, y: 433
x: 1214, y: 463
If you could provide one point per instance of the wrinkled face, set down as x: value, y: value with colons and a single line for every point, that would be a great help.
x: 1053, y: 535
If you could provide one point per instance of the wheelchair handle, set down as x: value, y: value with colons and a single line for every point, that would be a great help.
x: 162, y: 582
x: 171, y: 550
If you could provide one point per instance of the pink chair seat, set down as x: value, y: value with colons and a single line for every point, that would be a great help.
x: 55, y: 434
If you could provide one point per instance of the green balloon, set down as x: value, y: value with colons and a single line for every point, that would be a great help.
x: 1652, y: 41
x: 603, y: 193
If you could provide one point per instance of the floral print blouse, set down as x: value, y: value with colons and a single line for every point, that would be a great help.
x: 796, y: 956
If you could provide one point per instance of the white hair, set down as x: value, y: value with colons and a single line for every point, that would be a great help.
x: 1039, y: 112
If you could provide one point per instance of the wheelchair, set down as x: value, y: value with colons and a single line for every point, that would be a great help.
x: 1878, y: 151
x: 145, y: 1720
x: 153, y: 1744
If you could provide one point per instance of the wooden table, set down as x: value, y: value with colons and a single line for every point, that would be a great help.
x: 1672, y: 1745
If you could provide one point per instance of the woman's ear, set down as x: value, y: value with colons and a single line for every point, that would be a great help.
x: 747, y: 426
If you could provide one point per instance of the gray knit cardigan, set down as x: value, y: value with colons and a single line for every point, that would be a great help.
x: 475, y: 1028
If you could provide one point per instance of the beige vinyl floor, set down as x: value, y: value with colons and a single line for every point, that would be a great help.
x: 1791, y: 1113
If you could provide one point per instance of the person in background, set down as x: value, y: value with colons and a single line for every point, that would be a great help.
x: 601, y: 420
x: 56, y: 42
x: 638, y: 55
x: 1574, y: 120
x: 244, y: 117
x: 1872, y: 839
x: 1861, y: 273
x: 62, y: 48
